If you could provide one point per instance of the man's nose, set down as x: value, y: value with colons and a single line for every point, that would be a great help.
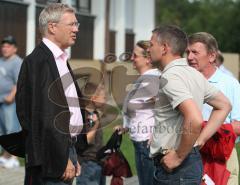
x: 189, y: 56
x: 76, y: 29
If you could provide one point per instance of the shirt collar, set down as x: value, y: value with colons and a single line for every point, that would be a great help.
x: 215, y: 77
x: 57, y: 52
x: 177, y: 62
x: 152, y: 72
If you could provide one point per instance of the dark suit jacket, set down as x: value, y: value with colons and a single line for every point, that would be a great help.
x: 43, y: 113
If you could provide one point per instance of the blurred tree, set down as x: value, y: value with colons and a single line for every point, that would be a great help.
x: 220, y: 18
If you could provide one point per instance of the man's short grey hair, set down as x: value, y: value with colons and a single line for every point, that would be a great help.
x: 205, y: 38
x: 52, y: 13
x: 173, y: 36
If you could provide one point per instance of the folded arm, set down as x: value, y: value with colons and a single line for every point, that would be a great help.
x: 221, y: 108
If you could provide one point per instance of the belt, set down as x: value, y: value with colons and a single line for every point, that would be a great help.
x: 140, y: 142
x: 73, y: 140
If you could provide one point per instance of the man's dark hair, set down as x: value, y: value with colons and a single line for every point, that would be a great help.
x: 173, y: 36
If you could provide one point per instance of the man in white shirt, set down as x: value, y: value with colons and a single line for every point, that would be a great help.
x: 219, y: 64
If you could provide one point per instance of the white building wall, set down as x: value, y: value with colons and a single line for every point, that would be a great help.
x: 144, y: 19
x: 120, y: 26
x: 31, y: 28
x: 98, y: 10
x: 113, y: 12
x: 129, y: 14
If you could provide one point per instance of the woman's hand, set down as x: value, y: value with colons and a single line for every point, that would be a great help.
x: 120, y: 129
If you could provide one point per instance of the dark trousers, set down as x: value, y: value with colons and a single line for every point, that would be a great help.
x: 188, y: 173
x: 33, y: 174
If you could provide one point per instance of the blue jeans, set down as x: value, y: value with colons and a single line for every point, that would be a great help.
x: 8, y: 119
x: 188, y: 173
x: 144, y: 164
x: 91, y: 174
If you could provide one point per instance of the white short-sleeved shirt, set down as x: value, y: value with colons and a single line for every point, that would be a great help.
x: 230, y: 87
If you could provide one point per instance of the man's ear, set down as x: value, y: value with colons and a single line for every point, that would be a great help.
x: 51, y: 27
x: 165, y: 48
x: 212, y: 57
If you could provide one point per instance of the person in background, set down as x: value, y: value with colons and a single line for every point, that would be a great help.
x: 91, y: 170
x: 178, y: 118
x: 202, y: 52
x: 10, y: 64
x: 47, y: 100
x: 138, y: 111
x: 219, y: 64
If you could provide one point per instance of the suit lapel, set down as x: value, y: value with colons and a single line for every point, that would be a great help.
x: 81, y: 101
x: 51, y: 61
x: 74, y: 80
x: 57, y: 86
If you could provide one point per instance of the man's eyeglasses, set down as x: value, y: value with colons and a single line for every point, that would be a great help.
x: 76, y: 24
x: 72, y: 24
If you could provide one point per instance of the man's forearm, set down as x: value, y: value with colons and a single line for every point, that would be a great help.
x: 11, y: 96
x: 13, y: 91
x: 190, y: 133
x: 216, y: 119
x: 221, y: 108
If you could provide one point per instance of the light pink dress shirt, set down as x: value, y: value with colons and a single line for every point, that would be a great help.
x: 61, y: 57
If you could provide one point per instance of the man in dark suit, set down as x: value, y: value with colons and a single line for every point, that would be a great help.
x: 47, y: 109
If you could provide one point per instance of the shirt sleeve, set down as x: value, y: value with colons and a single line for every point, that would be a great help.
x: 210, y: 91
x: 235, y: 113
x: 16, y: 70
x: 175, y: 89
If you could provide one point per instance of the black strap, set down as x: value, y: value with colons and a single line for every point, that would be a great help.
x: 115, y: 141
